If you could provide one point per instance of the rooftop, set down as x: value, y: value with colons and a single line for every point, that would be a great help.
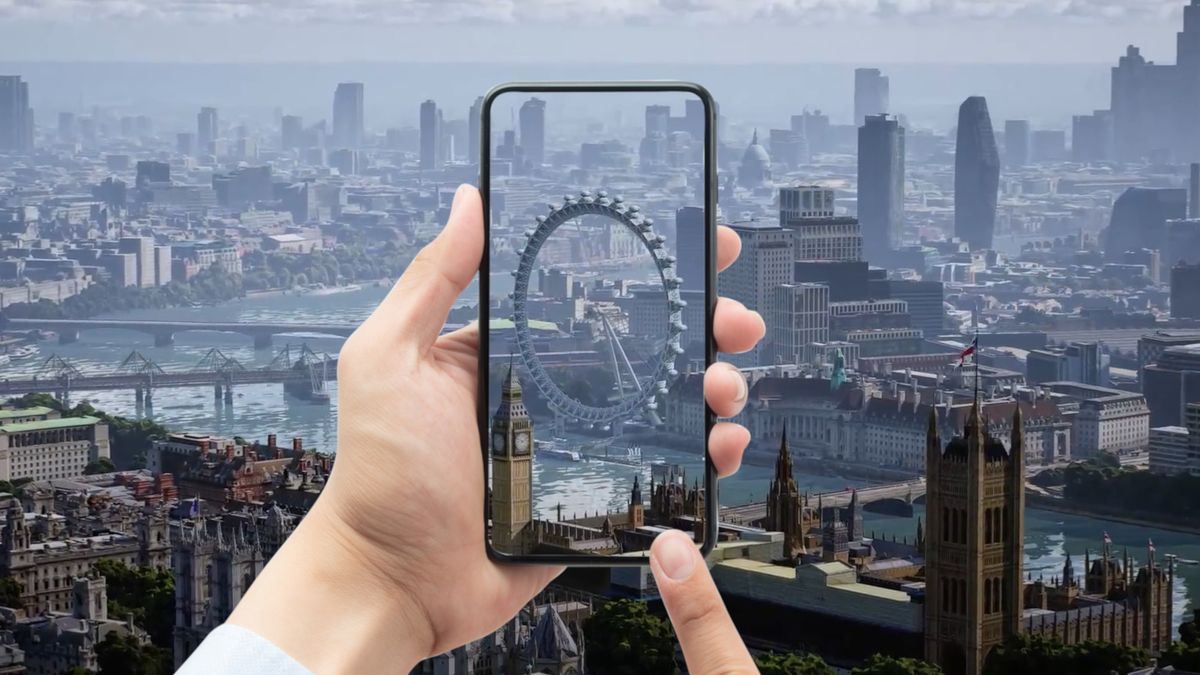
x: 46, y: 425
x: 25, y: 412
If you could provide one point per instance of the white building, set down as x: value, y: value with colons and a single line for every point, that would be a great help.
x: 49, y: 446
x: 799, y: 317
x: 1109, y: 420
x: 1169, y: 450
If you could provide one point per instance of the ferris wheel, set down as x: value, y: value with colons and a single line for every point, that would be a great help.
x: 634, y: 392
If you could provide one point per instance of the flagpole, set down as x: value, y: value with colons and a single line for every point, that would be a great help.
x: 976, y: 355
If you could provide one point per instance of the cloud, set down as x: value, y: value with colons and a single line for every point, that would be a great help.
x: 600, y: 12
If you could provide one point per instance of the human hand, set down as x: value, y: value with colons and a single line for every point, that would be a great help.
x: 391, y: 558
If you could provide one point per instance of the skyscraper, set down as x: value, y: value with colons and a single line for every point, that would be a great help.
x: 291, y: 132
x: 689, y: 247
x: 16, y: 117
x: 976, y: 175
x: 871, y: 94
x: 766, y: 262
x: 1092, y: 138
x: 808, y: 212
x: 1016, y: 143
x: 206, y: 130
x: 532, y: 121
x: 975, y: 506
x: 474, y: 125
x: 431, y: 136
x: 348, y: 115
x: 880, y: 185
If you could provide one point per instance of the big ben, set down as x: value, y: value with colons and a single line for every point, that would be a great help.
x: 512, y: 469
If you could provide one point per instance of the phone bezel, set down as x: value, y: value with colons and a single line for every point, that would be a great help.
x: 711, y: 507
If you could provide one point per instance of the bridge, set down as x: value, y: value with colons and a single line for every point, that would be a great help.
x: 905, y: 491
x: 164, y: 331
x: 302, y: 371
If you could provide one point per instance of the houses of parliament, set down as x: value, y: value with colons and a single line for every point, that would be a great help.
x: 961, y: 581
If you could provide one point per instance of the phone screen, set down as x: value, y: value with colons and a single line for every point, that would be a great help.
x: 596, y: 316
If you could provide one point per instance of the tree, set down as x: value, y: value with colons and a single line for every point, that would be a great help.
x: 124, y: 655
x: 101, y: 465
x: 773, y: 663
x: 624, y: 638
x: 10, y: 593
x: 881, y: 664
x: 1184, y: 656
x: 1041, y: 655
x: 145, y: 594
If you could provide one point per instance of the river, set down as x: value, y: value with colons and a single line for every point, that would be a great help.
x: 261, y: 409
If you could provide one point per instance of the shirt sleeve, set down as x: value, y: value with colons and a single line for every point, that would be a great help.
x: 233, y: 650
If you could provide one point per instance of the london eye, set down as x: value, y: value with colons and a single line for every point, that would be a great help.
x: 634, y: 393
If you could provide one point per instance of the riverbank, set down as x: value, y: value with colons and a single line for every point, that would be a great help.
x: 1059, y: 505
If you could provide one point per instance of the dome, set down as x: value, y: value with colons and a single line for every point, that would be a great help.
x: 756, y: 154
x: 755, y: 169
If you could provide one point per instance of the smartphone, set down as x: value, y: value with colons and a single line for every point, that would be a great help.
x: 596, y: 296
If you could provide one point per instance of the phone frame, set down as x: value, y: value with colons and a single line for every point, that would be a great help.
x: 711, y: 507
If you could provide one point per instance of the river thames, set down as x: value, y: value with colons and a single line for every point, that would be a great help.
x: 258, y: 410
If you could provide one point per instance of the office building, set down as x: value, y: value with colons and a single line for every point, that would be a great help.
x: 16, y: 117
x: 1077, y: 362
x: 1139, y: 220
x: 348, y: 122
x: 531, y: 120
x: 66, y: 127
x: 765, y: 263
x: 1109, y: 420
x: 1169, y: 450
x: 976, y: 175
x: 871, y: 94
x: 149, y: 171
x: 474, y: 126
x: 244, y: 186
x: 207, y: 130
x: 926, y: 303
x: 689, y: 247
x: 1092, y: 138
x: 1185, y: 291
x: 880, y: 185
x: 1171, y: 382
x: 142, y: 248
x: 799, y: 317
x: 38, y: 443
x: 1048, y: 145
x: 1016, y: 143
x: 808, y: 212
x: 815, y: 128
x: 789, y: 148
x: 1155, y: 105
x: 431, y: 137
x: 291, y: 132
x: 185, y: 144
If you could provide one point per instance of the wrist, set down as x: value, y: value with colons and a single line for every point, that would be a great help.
x: 321, y: 602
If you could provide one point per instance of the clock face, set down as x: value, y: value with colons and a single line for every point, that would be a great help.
x: 523, y: 443
x: 498, y: 443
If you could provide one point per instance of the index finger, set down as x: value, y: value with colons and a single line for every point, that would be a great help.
x: 709, y: 639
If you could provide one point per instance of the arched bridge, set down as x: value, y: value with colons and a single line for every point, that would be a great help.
x: 908, y: 491
x: 164, y: 331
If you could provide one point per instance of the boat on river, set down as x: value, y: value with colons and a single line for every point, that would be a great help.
x: 556, y: 449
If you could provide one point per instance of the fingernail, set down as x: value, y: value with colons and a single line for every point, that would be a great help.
x: 458, y: 197
x: 676, y: 556
x: 741, y: 388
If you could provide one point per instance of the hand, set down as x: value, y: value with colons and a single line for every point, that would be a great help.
x: 390, y: 564
x: 711, y: 644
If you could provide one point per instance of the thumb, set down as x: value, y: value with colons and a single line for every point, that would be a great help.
x: 415, y: 309
x: 710, y: 641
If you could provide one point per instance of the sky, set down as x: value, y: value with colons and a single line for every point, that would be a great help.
x: 583, y: 31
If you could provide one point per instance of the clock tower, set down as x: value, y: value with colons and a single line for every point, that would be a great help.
x: 512, y: 470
